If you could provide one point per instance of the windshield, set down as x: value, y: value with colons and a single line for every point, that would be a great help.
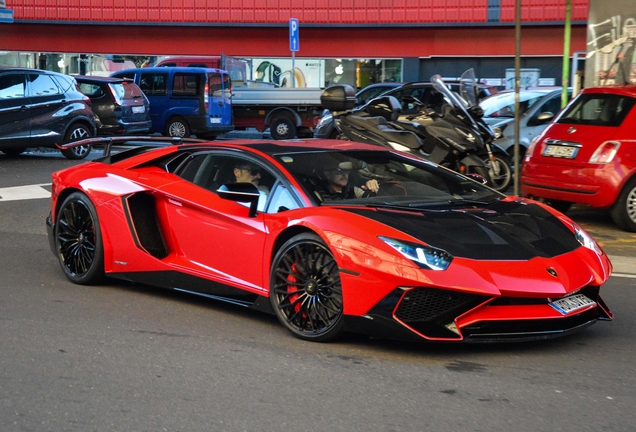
x: 339, y: 177
x: 468, y: 87
x: 503, y: 104
x: 597, y: 110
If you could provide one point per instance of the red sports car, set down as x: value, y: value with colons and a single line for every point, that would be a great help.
x: 587, y: 155
x: 330, y: 236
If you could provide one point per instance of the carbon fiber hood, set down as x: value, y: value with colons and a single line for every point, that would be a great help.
x: 500, y: 231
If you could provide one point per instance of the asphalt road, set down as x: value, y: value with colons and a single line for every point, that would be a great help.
x: 122, y: 357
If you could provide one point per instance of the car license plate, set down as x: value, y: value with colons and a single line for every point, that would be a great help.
x: 138, y: 109
x: 215, y: 120
x: 573, y: 303
x: 560, y: 151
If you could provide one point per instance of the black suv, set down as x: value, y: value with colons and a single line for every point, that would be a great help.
x: 40, y: 109
x: 120, y: 105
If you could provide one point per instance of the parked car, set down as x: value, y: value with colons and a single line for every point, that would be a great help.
x: 537, y: 107
x: 430, y: 256
x: 588, y: 155
x: 41, y: 109
x: 186, y: 100
x: 120, y: 105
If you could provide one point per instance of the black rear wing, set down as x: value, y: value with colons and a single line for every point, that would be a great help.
x: 129, y: 141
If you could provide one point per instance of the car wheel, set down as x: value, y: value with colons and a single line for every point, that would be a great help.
x: 624, y: 209
x: 13, y: 151
x: 178, y: 127
x: 282, y: 128
x: 77, y: 132
x: 305, y: 289
x: 500, y: 172
x: 79, y: 241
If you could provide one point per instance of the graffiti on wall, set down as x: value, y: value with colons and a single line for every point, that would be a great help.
x: 610, y: 48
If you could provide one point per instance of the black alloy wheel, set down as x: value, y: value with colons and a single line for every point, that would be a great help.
x: 305, y: 289
x: 79, y: 241
x: 77, y: 132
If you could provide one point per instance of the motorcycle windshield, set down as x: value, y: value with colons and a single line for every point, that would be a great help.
x: 460, y: 109
x: 468, y: 87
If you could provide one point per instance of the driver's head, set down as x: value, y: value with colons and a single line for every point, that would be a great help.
x: 247, y: 173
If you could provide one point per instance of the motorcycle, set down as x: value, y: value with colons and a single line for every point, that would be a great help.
x: 448, y: 136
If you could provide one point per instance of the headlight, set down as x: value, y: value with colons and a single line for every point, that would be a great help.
x: 585, y: 239
x: 325, y: 119
x: 425, y: 256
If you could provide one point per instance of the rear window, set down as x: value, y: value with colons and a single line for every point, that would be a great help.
x: 219, y: 85
x: 125, y: 91
x: 597, y: 110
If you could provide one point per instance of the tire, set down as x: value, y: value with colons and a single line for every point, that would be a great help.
x: 282, y: 128
x: 178, y: 127
x: 77, y: 131
x: 305, y: 290
x: 78, y: 240
x: 499, y: 171
x: 562, y: 206
x: 13, y: 151
x: 624, y: 209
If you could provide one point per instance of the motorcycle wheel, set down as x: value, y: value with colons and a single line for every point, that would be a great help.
x: 500, y: 172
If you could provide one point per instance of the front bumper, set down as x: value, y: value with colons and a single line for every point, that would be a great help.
x: 434, y: 315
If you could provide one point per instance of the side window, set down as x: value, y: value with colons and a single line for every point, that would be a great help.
x: 215, y: 84
x: 154, y: 84
x: 91, y: 90
x: 185, y: 84
x: 553, y: 105
x: 281, y: 199
x: 42, y: 85
x: 12, y: 86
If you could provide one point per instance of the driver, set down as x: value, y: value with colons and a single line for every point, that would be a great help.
x: 336, y: 184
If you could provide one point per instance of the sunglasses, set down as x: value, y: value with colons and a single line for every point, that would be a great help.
x: 252, y: 171
x: 340, y: 171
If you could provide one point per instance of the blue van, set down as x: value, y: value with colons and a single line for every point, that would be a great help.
x: 186, y: 100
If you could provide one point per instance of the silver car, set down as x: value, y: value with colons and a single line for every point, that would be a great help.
x: 537, y: 107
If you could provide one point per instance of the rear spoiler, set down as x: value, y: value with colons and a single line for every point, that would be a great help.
x: 129, y: 141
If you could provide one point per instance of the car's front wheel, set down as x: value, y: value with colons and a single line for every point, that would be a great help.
x: 79, y: 240
x: 77, y: 132
x: 305, y: 289
x: 624, y: 209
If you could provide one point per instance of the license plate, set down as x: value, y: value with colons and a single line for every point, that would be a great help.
x: 215, y: 120
x: 138, y: 109
x: 573, y: 303
x: 560, y: 151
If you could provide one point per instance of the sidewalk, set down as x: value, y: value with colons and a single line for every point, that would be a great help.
x: 623, y: 265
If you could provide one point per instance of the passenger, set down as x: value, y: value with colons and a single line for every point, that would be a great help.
x: 245, y: 172
x: 336, y: 185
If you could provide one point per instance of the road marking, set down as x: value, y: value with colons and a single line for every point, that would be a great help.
x: 17, y: 193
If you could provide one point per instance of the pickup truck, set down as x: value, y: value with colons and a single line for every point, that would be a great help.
x: 287, y: 112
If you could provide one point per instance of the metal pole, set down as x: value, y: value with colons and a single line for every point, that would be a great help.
x: 517, y: 85
x: 566, y: 55
x: 293, y: 70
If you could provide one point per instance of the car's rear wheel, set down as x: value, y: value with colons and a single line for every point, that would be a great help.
x: 282, y: 128
x: 624, y: 209
x: 305, y: 289
x: 178, y: 127
x: 77, y: 132
x: 79, y: 240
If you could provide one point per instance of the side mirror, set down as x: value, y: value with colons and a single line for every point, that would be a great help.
x: 544, y: 117
x: 241, y: 192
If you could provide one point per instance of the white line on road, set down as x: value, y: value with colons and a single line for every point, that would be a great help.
x: 24, y: 192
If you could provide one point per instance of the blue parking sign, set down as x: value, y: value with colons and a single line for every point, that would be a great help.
x: 294, y: 38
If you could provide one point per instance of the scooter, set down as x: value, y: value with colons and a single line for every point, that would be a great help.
x: 447, y: 135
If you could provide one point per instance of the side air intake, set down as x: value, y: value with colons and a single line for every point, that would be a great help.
x: 142, y: 217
